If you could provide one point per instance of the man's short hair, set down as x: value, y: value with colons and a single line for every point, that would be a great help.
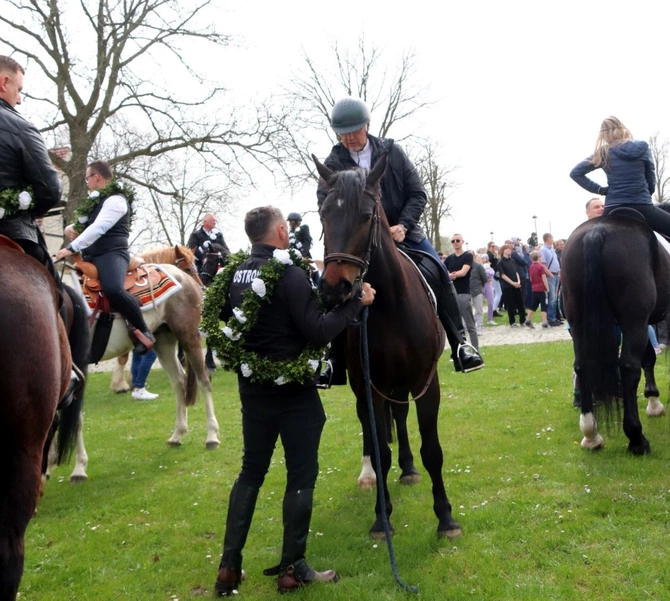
x: 7, y: 63
x: 102, y: 168
x: 536, y: 255
x: 258, y: 222
x: 588, y: 204
x: 546, y: 237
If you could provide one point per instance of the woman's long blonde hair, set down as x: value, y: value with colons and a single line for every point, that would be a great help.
x: 612, y: 133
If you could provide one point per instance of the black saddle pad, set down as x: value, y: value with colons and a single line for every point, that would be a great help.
x: 627, y: 213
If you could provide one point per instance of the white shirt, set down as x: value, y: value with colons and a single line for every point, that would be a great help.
x: 112, y: 210
x: 364, y: 157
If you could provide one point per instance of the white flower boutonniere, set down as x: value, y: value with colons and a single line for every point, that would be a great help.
x: 24, y: 200
x: 239, y: 315
x: 246, y: 370
x: 283, y: 256
x: 258, y: 286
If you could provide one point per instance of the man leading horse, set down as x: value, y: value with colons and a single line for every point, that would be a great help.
x: 404, y: 200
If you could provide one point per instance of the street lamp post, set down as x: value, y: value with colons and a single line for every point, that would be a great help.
x: 491, y: 236
x: 535, y: 223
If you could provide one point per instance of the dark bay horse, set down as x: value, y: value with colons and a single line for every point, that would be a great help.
x: 405, y: 337
x: 35, y: 367
x: 614, y: 272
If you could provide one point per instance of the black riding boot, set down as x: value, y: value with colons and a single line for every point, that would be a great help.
x: 465, y: 356
x: 293, y: 571
x: 209, y: 360
x: 335, y: 371
x: 240, y: 512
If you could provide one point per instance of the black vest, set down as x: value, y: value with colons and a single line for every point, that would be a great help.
x: 115, y: 238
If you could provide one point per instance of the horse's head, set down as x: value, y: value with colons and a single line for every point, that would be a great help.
x: 185, y: 260
x: 350, y: 217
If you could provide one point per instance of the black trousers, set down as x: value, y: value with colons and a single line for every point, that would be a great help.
x: 296, y: 417
x: 112, y: 268
x: 514, y: 304
x: 658, y: 219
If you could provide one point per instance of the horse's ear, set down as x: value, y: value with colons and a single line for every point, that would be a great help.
x: 377, y: 171
x: 324, y: 172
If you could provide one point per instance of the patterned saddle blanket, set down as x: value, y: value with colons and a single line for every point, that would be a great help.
x: 148, y: 282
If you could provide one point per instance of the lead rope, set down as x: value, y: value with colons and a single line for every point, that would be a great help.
x: 375, y: 440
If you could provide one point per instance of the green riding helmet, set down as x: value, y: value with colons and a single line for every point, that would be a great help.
x: 349, y: 114
x: 294, y: 217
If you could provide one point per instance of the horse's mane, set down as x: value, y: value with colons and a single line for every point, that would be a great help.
x: 166, y: 254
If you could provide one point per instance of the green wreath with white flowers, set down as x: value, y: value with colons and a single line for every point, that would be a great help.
x: 13, y: 200
x: 87, y: 205
x: 229, y: 341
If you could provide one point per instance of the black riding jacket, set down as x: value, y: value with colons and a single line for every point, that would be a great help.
x: 403, y: 196
x: 216, y: 244
x: 290, y: 321
x: 24, y: 161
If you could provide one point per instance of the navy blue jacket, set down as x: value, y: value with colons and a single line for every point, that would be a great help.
x: 631, y: 175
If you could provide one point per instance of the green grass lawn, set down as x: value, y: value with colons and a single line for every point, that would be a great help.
x: 542, y: 519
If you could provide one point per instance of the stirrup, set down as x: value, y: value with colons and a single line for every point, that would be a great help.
x: 476, y: 363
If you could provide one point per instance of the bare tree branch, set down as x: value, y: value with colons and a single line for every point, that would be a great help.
x: 659, y: 154
x: 104, y: 64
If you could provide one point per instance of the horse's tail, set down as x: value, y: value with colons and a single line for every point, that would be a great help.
x: 191, y: 389
x: 599, y: 349
x: 80, y: 344
x: 390, y: 424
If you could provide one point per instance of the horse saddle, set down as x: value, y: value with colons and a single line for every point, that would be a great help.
x: 148, y: 282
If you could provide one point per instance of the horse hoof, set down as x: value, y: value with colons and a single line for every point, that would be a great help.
x: 410, y: 479
x: 639, y: 449
x: 655, y: 408
x: 596, y: 444
x: 212, y: 445
x: 451, y: 533
x: 367, y: 483
x: 174, y: 443
x: 78, y: 479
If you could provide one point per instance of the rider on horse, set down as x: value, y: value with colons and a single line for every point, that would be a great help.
x: 631, y: 178
x: 25, y: 163
x: 299, y: 235
x: 404, y: 200
x: 207, y: 243
x: 104, y: 242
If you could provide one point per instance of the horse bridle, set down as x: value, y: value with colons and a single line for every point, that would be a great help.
x: 373, y: 242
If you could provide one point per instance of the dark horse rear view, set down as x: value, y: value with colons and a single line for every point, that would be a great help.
x: 614, y: 274
x: 35, y: 370
x: 405, y: 337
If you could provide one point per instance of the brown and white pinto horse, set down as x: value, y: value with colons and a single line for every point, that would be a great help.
x: 35, y: 367
x: 405, y: 338
x: 174, y: 322
x: 177, y: 255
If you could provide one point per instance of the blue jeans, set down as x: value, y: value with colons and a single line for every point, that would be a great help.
x: 140, y: 368
x: 553, y: 289
x: 652, y: 336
